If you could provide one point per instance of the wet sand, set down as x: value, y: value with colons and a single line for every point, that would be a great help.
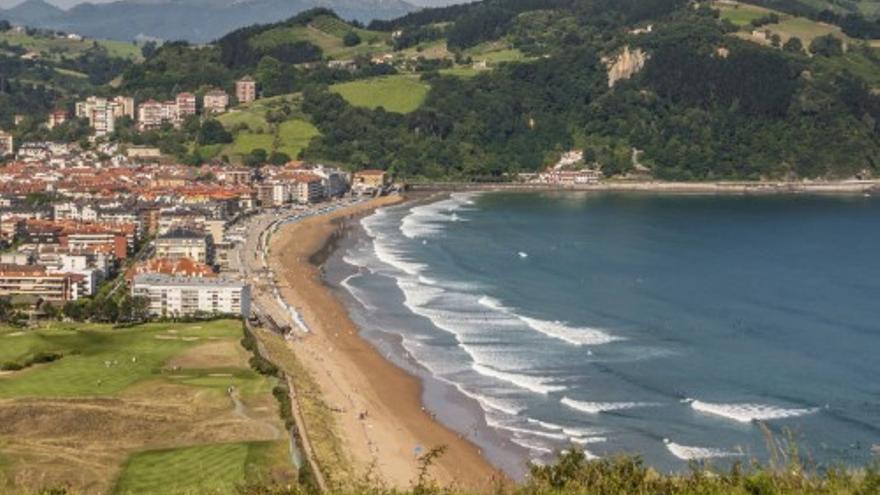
x: 378, y: 406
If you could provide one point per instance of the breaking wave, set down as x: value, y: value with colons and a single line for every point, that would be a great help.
x: 601, y: 407
x: 578, y: 336
x: 747, y: 413
x: 537, y: 384
x: 688, y: 453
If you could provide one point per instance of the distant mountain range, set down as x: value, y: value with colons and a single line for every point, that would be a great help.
x: 192, y: 20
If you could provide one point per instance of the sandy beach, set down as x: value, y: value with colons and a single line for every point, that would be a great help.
x: 379, y: 411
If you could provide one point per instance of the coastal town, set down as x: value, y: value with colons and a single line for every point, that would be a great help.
x: 80, y: 224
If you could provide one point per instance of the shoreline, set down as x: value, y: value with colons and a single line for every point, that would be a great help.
x: 379, y: 407
x: 718, y: 187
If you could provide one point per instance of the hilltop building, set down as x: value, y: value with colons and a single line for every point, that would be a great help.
x: 7, y: 144
x: 246, y: 89
x: 152, y: 114
x: 102, y: 113
x: 186, y: 105
x: 215, y: 101
x: 56, y: 117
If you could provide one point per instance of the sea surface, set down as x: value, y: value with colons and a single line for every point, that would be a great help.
x: 678, y: 328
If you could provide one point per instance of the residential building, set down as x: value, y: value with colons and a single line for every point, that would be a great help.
x: 7, y: 143
x: 152, y: 114
x: 335, y: 181
x: 188, y: 296
x: 143, y: 152
x: 102, y: 112
x: 186, y: 105
x: 180, y: 267
x: 56, y: 117
x: 307, y: 188
x: 215, y: 102
x: 37, y: 281
x: 368, y: 181
x: 183, y: 243
x: 274, y: 193
x: 246, y: 89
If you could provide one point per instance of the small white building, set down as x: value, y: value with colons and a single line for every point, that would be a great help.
x: 189, y: 296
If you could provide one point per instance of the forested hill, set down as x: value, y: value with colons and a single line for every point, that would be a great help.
x: 665, y: 88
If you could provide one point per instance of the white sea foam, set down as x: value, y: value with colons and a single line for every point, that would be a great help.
x: 428, y: 220
x: 578, y: 336
x: 355, y: 292
x: 688, y: 453
x: 537, y: 384
x: 531, y: 445
x: 535, y: 433
x: 588, y: 440
x: 746, y: 413
x: 545, y: 424
x: 600, y: 407
x: 573, y: 335
x: 504, y: 406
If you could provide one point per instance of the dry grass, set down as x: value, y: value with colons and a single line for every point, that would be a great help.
x: 82, y: 441
x: 212, y: 355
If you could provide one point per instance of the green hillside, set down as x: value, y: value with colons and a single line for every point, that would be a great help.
x: 56, y: 48
x: 328, y: 33
x: 400, y: 94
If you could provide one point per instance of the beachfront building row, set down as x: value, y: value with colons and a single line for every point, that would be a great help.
x: 173, y: 296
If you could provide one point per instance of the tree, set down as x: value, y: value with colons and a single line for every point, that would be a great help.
x: 351, y: 38
x: 794, y: 45
x: 827, y: 46
x: 255, y: 158
x: 213, y: 132
x: 149, y: 49
x: 278, y: 158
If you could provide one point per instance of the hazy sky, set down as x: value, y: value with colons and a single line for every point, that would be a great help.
x: 61, y: 3
x: 64, y: 4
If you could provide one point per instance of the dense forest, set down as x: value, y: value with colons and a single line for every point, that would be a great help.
x: 706, y: 105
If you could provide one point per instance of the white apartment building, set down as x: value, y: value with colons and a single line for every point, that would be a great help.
x: 215, y: 101
x: 152, y: 114
x: 186, y: 105
x: 102, y: 112
x: 188, y: 296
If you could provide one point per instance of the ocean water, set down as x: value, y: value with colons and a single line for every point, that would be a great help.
x: 677, y: 328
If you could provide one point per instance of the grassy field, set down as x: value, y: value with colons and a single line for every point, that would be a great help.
x: 789, y: 26
x: 294, y: 136
x: 55, y: 48
x: 289, y: 136
x: 118, y: 394
x: 494, y: 53
x: 208, y: 468
x: 401, y: 94
x: 741, y: 14
x: 327, y: 33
